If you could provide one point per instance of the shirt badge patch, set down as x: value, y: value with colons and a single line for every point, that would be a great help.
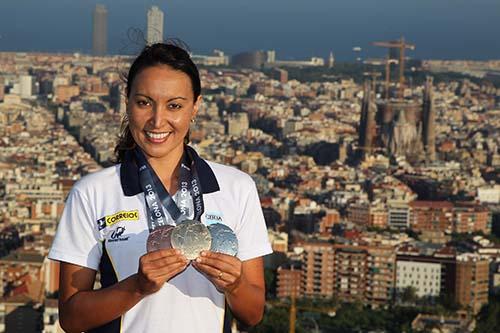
x: 213, y: 217
x: 108, y: 220
x: 117, y: 235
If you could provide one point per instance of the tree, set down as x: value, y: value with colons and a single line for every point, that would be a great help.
x: 275, y: 320
x: 409, y: 295
x: 488, y: 319
x: 270, y: 280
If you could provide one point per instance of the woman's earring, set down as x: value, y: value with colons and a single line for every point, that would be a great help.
x: 193, y: 120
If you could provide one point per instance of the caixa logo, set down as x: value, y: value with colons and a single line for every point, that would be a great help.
x: 116, y: 235
x: 213, y: 217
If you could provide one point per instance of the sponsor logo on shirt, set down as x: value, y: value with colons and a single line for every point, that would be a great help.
x: 213, y: 217
x: 116, y: 235
x: 108, y: 220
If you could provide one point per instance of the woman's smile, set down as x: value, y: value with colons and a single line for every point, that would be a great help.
x: 157, y: 137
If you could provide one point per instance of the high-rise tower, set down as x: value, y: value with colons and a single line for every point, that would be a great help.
x: 428, y: 115
x: 2, y: 87
x: 155, y: 25
x: 331, y: 60
x: 99, y: 30
x: 367, y: 128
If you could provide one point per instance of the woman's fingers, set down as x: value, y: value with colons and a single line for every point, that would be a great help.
x: 223, y: 270
x: 165, y: 275
x: 231, y: 260
x: 160, y: 254
x: 220, y: 262
x: 212, y: 272
x: 156, y: 268
x: 165, y: 262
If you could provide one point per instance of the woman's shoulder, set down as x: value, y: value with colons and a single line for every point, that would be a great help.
x: 104, y: 178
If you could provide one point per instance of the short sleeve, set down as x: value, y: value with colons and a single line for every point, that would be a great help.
x: 77, y: 238
x: 253, y: 240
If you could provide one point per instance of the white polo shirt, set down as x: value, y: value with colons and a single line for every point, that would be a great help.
x: 104, y: 227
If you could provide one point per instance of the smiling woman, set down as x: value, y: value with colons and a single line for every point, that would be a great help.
x: 173, y: 288
x: 160, y: 107
x: 181, y: 89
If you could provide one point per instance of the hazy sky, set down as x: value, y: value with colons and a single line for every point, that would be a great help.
x: 294, y: 28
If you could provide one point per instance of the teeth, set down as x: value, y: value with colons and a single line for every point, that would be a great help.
x: 157, y: 136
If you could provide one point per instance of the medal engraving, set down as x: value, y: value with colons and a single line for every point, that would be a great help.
x: 160, y: 238
x: 223, y: 239
x: 191, y: 237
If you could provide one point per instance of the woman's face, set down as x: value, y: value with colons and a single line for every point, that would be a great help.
x: 160, y: 107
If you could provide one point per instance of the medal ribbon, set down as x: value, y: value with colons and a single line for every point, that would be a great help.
x: 157, y: 197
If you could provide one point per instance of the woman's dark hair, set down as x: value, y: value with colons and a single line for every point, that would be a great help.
x: 168, y: 54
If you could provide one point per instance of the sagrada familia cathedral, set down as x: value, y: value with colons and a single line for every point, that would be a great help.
x: 398, y: 127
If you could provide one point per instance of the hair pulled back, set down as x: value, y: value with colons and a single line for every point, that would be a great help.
x: 168, y: 54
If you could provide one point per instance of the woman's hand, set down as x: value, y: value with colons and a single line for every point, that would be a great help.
x: 223, y: 270
x: 157, y: 267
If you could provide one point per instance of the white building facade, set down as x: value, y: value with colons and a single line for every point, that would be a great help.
x: 425, y: 277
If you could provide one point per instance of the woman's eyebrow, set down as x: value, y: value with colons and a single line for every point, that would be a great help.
x: 143, y: 95
x: 178, y: 97
x: 169, y: 100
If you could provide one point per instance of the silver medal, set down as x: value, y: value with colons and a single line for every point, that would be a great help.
x: 191, y: 237
x: 223, y: 239
x: 160, y: 238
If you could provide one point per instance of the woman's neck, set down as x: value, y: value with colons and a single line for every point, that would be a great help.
x: 167, y: 169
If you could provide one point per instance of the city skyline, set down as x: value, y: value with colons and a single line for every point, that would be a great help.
x: 384, y: 231
x: 442, y: 29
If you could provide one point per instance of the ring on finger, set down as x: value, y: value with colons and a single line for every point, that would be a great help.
x: 220, y: 275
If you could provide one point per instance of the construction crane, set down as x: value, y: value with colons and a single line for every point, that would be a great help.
x: 293, y: 312
x: 294, y: 307
x: 374, y: 76
x: 401, y: 45
x: 292, y: 319
x: 388, y: 63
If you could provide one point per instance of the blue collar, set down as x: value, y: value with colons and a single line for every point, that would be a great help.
x: 129, y: 175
